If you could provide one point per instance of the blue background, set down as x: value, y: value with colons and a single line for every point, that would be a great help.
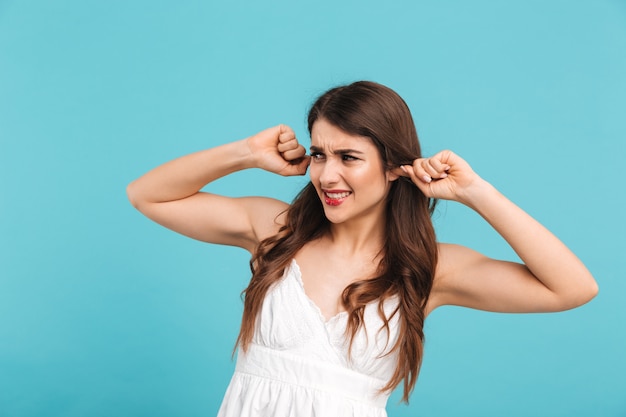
x: 103, y: 313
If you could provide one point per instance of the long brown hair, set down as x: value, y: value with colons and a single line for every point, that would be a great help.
x: 409, y: 259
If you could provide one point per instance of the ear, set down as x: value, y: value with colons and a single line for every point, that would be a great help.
x: 393, y: 174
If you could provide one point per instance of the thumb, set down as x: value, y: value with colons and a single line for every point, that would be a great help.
x: 297, y: 166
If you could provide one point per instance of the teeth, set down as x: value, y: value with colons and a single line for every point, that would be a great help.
x: 338, y: 195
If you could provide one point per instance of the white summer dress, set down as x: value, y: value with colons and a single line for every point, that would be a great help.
x: 298, y: 363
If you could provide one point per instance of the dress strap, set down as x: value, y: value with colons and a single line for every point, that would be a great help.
x: 292, y: 369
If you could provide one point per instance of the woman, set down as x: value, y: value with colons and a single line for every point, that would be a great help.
x: 344, y: 277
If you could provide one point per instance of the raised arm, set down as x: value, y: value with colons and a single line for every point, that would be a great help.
x: 551, y: 277
x: 170, y: 194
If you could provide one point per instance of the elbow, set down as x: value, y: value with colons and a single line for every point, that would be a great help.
x: 584, y: 293
x: 131, y: 193
x: 591, y: 291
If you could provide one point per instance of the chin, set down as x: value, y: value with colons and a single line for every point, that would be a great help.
x: 334, y: 219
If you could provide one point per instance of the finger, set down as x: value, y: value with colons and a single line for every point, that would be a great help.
x: 444, y: 156
x: 420, y: 173
x: 287, y: 146
x: 438, y: 165
x: 298, y: 166
x: 303, y: 164
x: 286, y: 134
x: 433, y: 168
x: 416, y: 174
x: 400, y: 171
x: 294, y: 154
x: 420, y: 182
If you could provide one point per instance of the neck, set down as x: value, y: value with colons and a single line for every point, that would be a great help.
x: 357, y: 238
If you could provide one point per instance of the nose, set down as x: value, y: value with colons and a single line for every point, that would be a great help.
x: 330, y: 173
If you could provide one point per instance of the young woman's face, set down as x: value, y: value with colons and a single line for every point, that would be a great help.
x: 347, y: 172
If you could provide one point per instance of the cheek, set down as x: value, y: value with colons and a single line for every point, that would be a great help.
x: 314, y: 173
x: 377, y: 182
x: 371, y: 175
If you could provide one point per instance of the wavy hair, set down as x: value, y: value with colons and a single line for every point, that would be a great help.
x: 409, y: 257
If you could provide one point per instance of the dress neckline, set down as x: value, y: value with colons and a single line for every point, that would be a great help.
x: 298, y: 277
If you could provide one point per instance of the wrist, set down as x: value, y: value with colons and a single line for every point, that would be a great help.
x: 240, y: 155
x: 478, y: 194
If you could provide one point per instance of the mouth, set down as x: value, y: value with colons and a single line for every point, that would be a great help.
x: 334, y: 198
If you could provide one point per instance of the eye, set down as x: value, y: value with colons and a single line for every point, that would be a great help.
x: 348, y: 158
x: 317, y: 156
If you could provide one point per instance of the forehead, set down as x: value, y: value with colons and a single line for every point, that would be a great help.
x: 327, y: 136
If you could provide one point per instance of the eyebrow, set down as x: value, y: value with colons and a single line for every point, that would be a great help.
x: 339, y: 151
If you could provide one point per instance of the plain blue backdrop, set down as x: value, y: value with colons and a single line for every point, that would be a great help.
x: 103, y: 313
